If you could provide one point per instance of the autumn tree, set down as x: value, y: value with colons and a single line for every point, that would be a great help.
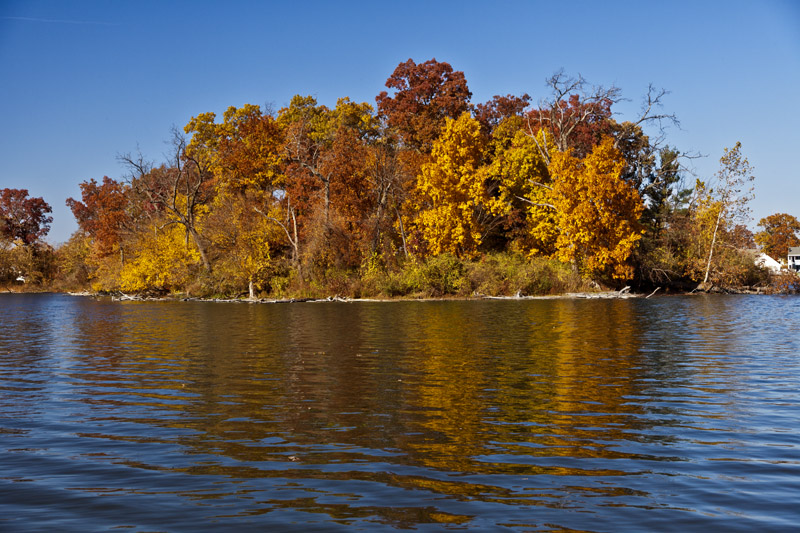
x: 424, y: 95
x: 244, y: 150
x: 73, y: 262
x: 102, y: 213
x: 722, y: 206
x: 490, y: 114
x: 578, y: 115
x: 575, y: 115
x: 520, y: 176
x: 22, y: 218
x: 451, y: 192
x: 597, y: 212
x: 578, y: 210
x: 162, y: 262
x: 326, y: 181
x: 180, y: 189
x: 353, y: 195
x: 312, y: 131
x: 23, y: 223
x: 779, y: 233
x: 246, y: 154
x: 243, y: 240
x: 387, y: 179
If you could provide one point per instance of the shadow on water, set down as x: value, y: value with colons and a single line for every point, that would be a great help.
x: 594, y: 415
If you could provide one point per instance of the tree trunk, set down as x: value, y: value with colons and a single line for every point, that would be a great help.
x: 376, y: 233
x: 327, y: 186
x: 402, y: 232
x: 201, y: 249
x: 711, y: 251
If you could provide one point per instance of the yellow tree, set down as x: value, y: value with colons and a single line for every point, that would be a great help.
x: 716, y: 243
x: 597, y: 212
x: 163, y: 260
x: 182, y: 189
x: 523, y: 189
x: 450, y: 190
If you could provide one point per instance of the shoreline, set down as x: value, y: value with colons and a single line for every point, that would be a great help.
x: 623, y: 294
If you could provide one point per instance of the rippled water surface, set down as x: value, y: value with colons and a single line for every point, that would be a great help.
x: 667, y: 414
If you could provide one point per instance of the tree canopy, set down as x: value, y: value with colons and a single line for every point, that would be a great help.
x: 349, y: 196
x: 23, y: 218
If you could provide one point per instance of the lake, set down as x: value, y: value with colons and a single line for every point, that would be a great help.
x: 669, y: 414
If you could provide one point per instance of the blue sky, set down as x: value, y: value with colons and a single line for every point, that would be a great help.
x: 83, y: 81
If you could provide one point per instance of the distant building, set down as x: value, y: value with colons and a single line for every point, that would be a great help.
x: 793, y: 261
x: 765, y: 261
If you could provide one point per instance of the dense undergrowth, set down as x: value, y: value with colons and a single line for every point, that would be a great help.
x: 501, y: 274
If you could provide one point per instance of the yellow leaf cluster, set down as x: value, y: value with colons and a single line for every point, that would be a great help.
x: 163, y: 261
x: 450, y: 188
x: 597, y: 211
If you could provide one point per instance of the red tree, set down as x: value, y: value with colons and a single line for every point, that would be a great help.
x: 425, y: 95
x: 102, y: 213
x: 23, y: 218
x: 492, y: 113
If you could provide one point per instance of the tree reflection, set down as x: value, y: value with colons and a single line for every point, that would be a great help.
x: 349, y: 391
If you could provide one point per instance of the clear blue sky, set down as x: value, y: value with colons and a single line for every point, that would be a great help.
x: 81, y: 81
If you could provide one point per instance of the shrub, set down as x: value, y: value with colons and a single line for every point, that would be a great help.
x: 442, y: 275
x: 507, y: 274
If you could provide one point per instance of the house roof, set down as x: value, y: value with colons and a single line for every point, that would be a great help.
x: 794, y: 251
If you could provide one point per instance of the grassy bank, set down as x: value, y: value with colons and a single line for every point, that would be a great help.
x: 442, y: 276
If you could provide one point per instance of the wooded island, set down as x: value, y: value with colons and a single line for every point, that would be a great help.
x: 424, y: 194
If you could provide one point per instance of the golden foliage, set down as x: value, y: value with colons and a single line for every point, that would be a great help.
x: 450, y: 189
x: 716, y: 246
x: 731, y: 264
x: 163, y: 262
x: 245, y: 150
x: 524, y: 184
x: 597, y: 211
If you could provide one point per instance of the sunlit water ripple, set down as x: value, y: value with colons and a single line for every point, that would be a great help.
x: 668, y: 414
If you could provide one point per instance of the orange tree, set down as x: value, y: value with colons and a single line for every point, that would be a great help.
x: 779, y: 233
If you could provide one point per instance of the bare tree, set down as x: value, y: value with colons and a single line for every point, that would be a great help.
x: 179, y: 187
x: 573, y: 110
x: 733, y: 193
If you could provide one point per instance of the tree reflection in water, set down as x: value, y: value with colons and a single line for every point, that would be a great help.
x: 477, y: 414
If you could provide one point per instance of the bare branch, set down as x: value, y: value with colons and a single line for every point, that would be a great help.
x: 538, y: 204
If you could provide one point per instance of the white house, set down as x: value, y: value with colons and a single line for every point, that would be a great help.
x: 794, y: 259
x: 765, y: 261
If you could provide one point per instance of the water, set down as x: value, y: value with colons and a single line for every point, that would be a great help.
x: 667, y: 414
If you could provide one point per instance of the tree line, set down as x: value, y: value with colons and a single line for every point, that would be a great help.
x: 424, y: 192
